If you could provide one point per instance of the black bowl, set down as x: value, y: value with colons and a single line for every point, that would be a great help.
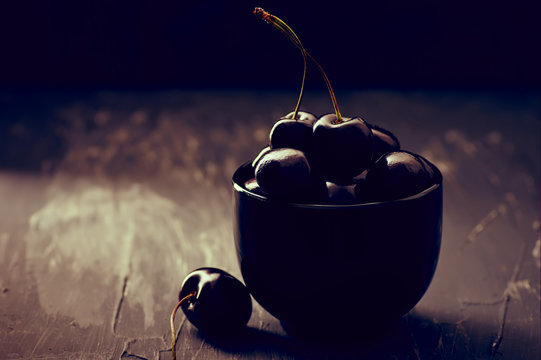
x: 344, y: 266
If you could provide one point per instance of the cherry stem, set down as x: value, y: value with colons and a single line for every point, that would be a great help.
x: 173, y: 335
x: 286, y: 30
x: 302, y: 87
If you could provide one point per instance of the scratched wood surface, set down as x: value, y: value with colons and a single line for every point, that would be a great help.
x: 108, y: 199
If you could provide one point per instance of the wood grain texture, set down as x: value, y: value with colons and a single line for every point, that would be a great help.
x: 95, y: 243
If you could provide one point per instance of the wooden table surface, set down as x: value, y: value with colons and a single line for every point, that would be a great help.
x: 108, y: 199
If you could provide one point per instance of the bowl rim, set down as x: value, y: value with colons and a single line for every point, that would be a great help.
x: 242, y: 190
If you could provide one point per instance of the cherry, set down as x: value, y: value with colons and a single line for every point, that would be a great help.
x: 394, y: 176
x: 384, y: 141
x: 214, y: 301
x: 284, y: 174
x: 221, y: 302
x: 343, y: 148
x: 252, y: 186
x: 294, y: 133
x: 263, y: 151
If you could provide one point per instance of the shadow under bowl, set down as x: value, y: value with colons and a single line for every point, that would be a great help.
x: 340, y: 266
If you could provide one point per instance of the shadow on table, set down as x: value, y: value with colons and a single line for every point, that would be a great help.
x: 411, y: 337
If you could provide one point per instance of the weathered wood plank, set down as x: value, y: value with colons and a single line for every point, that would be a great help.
x: 94, y: 246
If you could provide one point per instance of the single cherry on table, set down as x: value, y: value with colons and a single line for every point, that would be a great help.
x: 214, y: 301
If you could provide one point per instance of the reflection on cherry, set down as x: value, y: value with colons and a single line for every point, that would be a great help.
x: 214, y: 301
x: 384, y: 142
x: 343, y: 147
x: 284, y: 174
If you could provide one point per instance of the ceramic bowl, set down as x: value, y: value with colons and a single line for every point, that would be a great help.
x: 314, y: 265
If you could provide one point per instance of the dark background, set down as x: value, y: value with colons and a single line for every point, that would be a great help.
x: 390, y: 43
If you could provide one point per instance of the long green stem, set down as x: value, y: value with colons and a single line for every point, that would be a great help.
x: 285, y: 29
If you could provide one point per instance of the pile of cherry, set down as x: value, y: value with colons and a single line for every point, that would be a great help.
x: 336, y: 161
x: 330, y: 160
x: 312, y: 161
x: 309, y: 160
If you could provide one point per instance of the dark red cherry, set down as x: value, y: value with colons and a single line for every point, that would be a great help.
x: 284, y: 174
x: 384, y: 141
x: 293, y: 133
x: 342, y: 149
x: 221, y: 303
x: 394, y: 176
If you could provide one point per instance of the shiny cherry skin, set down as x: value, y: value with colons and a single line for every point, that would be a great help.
x: 342, y: 149
x: 284, y: 174
x: 252, y: 186
x: 263, y: 151
x: 384, y: 141
x: 396, y: 175
x: 221, y: 305
x: 293, y: 133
